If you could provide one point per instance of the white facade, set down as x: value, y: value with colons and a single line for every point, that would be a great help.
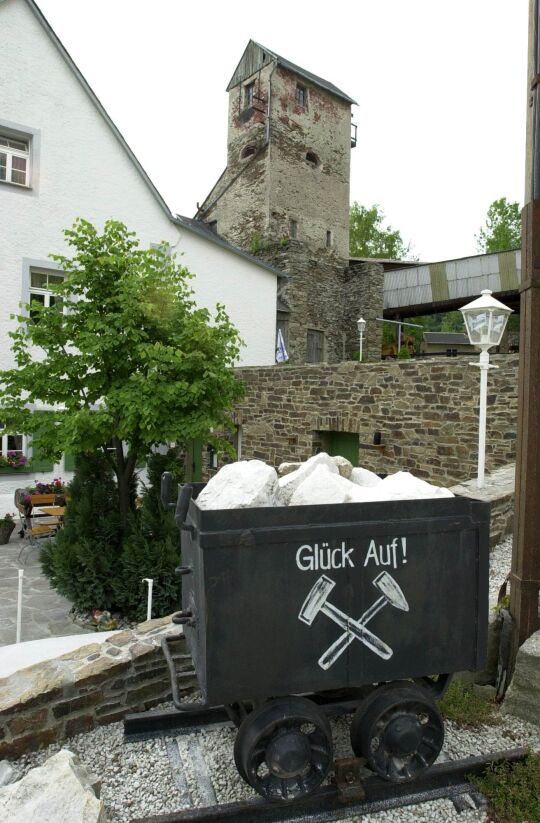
x: 80, y: 168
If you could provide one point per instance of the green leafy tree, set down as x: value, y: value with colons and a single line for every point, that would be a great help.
x: 369, y: 238
x: 131, y: 363
x: 502, y: 229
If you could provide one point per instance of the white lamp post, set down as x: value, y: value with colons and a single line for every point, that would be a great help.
x: 361, y: 325
x: 485, y: 320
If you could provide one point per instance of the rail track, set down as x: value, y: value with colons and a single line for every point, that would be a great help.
x: 444, y: 780
x: 353, y: 792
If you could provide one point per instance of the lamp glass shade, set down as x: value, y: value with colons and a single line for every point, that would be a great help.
x: 361, y: 324
x: 485, y: 320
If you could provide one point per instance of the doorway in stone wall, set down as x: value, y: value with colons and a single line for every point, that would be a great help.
x: 345, y: 444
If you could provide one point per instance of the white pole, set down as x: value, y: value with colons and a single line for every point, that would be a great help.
x: 484, y: 366
x: 150, y: 582
x: 361, y: 341
x: 19, y: 606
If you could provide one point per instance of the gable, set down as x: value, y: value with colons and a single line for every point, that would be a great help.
x: 31, y: 49
x: 253, y: 60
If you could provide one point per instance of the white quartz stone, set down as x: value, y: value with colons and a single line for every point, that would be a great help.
x: 246, y: 484
x: 60, y: 791
x: 287, y: 468
x: 287, y: 485
x: 364, y: 477
x: 322, y: 486
x: 405, y: 486
x: 344, y: 466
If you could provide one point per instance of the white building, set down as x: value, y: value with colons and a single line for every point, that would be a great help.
x: 61, y: 157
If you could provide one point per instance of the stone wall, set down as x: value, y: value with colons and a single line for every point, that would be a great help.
x: 91, y: 686
x: 426, y: 411
x: 325, y: 295
x: 499, y: 492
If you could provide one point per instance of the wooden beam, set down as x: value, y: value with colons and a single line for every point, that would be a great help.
x: 525, y: 574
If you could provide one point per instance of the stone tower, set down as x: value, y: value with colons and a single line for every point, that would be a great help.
x: 284, y: 196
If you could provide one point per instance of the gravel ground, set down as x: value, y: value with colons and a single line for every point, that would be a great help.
x: 138, y: 779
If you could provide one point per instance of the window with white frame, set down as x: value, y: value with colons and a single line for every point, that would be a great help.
x: 13, y: 449
x: 41, y: 281
x: 14, y: 160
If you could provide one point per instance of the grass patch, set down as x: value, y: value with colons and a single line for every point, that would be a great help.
x: 464, y: 706
x: 513, y: 791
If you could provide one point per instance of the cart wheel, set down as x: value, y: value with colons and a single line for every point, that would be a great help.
x: 399, y: 731
x: 283, y: 749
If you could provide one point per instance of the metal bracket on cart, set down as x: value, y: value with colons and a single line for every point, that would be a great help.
x: 180, y: 704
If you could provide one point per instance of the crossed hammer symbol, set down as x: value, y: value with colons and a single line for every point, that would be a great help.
x: 317, y: 601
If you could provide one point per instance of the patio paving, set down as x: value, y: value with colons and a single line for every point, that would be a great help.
x: 45, y: 613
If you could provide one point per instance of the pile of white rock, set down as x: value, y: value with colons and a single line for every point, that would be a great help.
x: 321, y: 479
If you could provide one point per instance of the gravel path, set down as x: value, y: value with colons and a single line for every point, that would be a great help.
x: 164, y: 775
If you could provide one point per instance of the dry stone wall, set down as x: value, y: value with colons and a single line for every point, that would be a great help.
x: 91, y: 686
x: 425, y: 410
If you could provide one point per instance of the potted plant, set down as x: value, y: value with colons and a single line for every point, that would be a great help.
x: 7, y: 524
x: 13, y: 461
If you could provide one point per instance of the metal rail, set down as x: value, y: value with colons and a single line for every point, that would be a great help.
x: 445, y: 780
x: 145, y: 725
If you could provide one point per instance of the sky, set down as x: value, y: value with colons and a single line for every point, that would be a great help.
x: 440, y: 87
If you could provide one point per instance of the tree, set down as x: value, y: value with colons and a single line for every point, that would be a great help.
x: 131, y: 362
x: 502, y: 229
x: 369, y: 238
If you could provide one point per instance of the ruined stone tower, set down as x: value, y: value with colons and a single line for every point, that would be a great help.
x: 284, y: 196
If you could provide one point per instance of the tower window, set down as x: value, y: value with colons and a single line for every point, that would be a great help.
x: 312, y: 159
x: 293, y: 229
x: 301, y: 95
x: 328, y: 239
x: 249, y: 91
x: 248, y: 151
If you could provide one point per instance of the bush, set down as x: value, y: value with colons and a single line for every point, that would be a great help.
x: 83, y: 561
x: 152, y: 549
x: 96, y: 564
x: 404, y: 353
x: 464, y: 706
x: 513, y: 790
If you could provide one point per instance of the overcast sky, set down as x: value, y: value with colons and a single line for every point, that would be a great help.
x: 440, y: 86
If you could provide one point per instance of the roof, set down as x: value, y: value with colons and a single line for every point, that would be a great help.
x: 203, y: 230
x: 456, y: 338
x: 282, y: 61
x: 195, y: 226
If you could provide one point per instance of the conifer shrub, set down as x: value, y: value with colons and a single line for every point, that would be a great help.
x: 152, y: 549
x: 96, y: 563
x: 83, y: 561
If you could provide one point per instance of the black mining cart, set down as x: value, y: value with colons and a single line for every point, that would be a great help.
x: 288, y: 609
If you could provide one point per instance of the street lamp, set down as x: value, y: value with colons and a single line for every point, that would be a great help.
x: 485, y: 320
x: 361, y: 325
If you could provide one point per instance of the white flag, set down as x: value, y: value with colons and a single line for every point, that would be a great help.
x: 281, y: 351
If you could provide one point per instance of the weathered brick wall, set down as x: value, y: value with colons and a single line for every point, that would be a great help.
x: 91, y: 686
x: 362, y: 296
x: 426, y: 411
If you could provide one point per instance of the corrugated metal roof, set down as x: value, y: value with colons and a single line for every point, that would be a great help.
x: 451, y: 281
x: 282, y: 61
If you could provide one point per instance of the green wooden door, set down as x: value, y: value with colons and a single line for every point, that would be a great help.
x: 344, y: 444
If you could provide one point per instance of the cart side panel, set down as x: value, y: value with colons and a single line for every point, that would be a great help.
x: 255, y: 645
